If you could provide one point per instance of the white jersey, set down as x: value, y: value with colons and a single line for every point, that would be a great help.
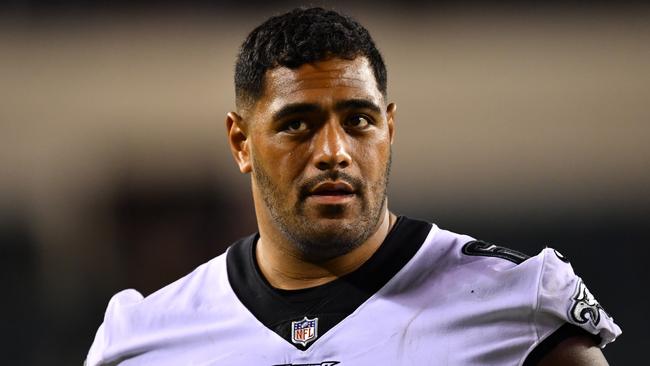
x: 426, y: 297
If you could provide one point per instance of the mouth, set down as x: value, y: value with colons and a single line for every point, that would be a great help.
x: 337, y: 192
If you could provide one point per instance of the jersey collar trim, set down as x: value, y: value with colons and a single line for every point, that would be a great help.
x: 330, y: 303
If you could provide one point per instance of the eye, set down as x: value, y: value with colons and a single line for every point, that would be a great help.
x: 359, y: 122
x: 296, y: 126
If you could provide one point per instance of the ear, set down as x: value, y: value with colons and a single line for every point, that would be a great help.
x: 390, y: 119
x: 238, y: 141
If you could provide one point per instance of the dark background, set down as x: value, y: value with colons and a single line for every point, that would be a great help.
x: 523, y: 125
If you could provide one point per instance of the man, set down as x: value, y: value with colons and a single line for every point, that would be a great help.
x: 333, y: 277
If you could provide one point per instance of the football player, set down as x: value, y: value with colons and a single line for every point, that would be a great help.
x: 333, y: 276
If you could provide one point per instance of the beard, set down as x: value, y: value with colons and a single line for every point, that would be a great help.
x: 319, y: 239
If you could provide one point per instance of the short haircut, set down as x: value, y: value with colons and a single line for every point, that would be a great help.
x: 298, y: 37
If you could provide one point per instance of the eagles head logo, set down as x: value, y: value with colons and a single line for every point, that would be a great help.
x: 585, y: 307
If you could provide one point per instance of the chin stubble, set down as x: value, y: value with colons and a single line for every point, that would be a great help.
x: 319, y: 244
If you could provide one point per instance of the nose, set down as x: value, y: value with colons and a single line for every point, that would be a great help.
x: 331, y: 149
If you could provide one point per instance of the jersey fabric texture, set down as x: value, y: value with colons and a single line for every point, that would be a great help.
x: 426, y: 297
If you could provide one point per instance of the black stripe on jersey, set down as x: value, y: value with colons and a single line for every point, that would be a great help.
x: 331, y: 302
x: 564, y: 332
x: 484, y: 249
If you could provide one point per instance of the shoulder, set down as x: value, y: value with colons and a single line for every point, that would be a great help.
x: 465, y: 269
x: 133, y: 323
x: 459, y: 252
x: 542, y: 292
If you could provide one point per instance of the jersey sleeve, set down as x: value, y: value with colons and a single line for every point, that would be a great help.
x: 564, y: 296
x: 104, y: 348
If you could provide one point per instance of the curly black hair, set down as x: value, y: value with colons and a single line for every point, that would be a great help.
x: 301, y: 36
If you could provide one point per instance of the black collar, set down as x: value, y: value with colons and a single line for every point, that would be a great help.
x: 331, y: 302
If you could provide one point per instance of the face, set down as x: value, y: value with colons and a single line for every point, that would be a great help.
x: 318, y: 144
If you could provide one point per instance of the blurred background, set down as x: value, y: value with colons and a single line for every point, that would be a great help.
x: 523, y: 125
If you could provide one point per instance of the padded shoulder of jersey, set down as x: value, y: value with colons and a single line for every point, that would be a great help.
x: 134, y: 324
x: 545, y: 284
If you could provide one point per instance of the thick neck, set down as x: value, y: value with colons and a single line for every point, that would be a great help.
x: 284, y: 268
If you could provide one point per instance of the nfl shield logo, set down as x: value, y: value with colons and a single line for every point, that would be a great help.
x: 304, y: 331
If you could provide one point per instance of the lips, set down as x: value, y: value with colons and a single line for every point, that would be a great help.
x: 338, y: 188
x: 332, y: 189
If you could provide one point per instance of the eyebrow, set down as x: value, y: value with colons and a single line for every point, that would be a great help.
x: 305, y: 108
x: 296, y: 108
x: 357, y: 104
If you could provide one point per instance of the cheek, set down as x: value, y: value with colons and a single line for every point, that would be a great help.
x: 283, y: 162
x: 373, y: 159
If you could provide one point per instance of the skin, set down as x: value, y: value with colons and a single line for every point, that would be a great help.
x: 575, y: 351
x: 310, y: 240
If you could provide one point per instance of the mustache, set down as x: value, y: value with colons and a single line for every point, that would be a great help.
x: 308, y: 185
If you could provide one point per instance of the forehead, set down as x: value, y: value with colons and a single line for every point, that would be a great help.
x: 323, y: 82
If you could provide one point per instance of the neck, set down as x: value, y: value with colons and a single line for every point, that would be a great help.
x: 284, y: 268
